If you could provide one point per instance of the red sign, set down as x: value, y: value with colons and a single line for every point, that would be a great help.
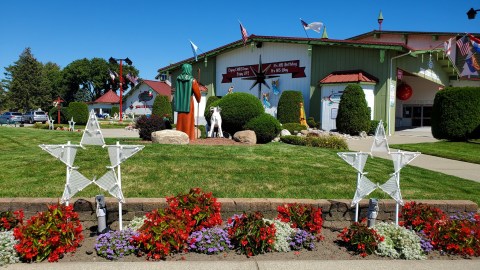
x: 292, y: 66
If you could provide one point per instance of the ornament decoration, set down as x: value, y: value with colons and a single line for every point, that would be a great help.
x: 404, y: 92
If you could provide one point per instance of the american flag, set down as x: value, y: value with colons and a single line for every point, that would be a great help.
x: 463, y: 45
x: 244, y: 34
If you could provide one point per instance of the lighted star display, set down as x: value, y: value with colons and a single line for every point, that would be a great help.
x: 259, y: 77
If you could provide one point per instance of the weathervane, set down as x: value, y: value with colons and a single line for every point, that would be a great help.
x: 259, y: 77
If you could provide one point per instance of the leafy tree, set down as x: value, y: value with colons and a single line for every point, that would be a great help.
x: 23, y: 82
x: 3, y: 98
x: 353, y: 114
x: 51, y: 83
x: 162, y: 107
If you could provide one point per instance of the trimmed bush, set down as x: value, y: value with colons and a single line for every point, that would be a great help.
x: 323, y: 141
x: 237, y: 110
x: 353, y: 114
x: 292, y: 127
x: 209, y: 104
x: 456, y: 114
x: 115, y: 110
x: 311, y: 122
x: 266, y: 127
x: 63, y: 115
x: 147, y: 125
x: 79, y: 112
x: 374, y: 125
x: 288, y: 110
x: 162, y: 107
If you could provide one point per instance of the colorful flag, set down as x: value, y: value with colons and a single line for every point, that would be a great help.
x: 475, y: 43
x: 244, y: 34
x: 463, y: 45
x: 111, y: 75
x: 472, y: 63
x: 132, y: 78
x: 194, y: 49
x: 315, y: 26
x: 448, y: 46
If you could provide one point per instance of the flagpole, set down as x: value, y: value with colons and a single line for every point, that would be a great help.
x: 304, y: 28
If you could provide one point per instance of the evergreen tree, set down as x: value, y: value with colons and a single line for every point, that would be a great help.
x: 353, y: 113
x: 51, y: 83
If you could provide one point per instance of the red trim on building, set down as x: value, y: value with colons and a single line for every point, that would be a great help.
x: 349, y: 76
x: 109, y: 97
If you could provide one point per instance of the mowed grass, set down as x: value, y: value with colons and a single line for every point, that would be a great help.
x: 463, y: 151
x: 274, y: 170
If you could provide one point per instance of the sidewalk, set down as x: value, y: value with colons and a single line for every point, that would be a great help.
x: 418, y: 135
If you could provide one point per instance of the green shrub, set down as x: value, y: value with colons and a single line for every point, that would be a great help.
x: 203, y: 131
x: 266, y: 127
x: 311, y: 122
x: 147, y: 125
x: 322, y: 141
x: 288, y: 110
x: 292, y: 127
x: 209, y: 104
x: 162, y: 107
x: 353, y: 116
x: 79, y: 112
x: 114, y: 111
x: 237, y: 110
x: 456, y: 114
x: 64, y: 115
x: 374, y: 125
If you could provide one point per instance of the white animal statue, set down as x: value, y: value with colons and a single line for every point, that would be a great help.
x: 215, y: 121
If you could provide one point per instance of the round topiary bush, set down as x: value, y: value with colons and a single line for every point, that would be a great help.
x: 147, y: 125
x: 237, y: 110
x: 162, y: 107
x: 265, y: 126
x: 79, y: 112
x: 353, y: 114
x: 456, y: 114
x: 288, y: 110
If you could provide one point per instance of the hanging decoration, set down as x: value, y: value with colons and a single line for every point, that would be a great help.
x: 404, y: 91
x: 265, y: 101
x: 275, y: 85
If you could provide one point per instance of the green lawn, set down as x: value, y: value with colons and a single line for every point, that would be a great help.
x: 463, y: 151
x: 273, y: 170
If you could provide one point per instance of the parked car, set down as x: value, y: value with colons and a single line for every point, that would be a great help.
x: 11, y: 117
x: 35, y: 116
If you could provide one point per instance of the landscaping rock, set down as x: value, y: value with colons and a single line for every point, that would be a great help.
x: 169, y: 136
x: 285, y: 132
x: 245, y: 136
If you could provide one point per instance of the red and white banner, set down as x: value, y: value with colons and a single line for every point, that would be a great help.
x: 292, y: 66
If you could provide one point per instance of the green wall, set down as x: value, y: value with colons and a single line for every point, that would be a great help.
x: 207, y: 74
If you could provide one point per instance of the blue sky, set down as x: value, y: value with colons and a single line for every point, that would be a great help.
x: 154, y: 34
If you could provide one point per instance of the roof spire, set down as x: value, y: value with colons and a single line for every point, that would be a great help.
x: 324, y: 34
x: 380, y: 20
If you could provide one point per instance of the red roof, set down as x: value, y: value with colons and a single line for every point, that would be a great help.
x: 350, y: 76
x: 161, y: 88
x: 109, y: 97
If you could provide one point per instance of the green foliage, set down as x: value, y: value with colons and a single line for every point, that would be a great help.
x: 311, y: 122
x: 237, y: 110
x: 360, y: 238
x: 147, y: 125
x: 52, y: 83
x: 323, y: 141
x: 265, y: 126
x: 209, y: 104
x: 288, y: 110
x: 115, y: 110
x: 353, y: 116
x: 79, y: 112
x: 292, y: 127
x: 374, y: 125
x: 456, y: 114
x: 203, y: 131
x: 162, y: 107
x: 64, y: 115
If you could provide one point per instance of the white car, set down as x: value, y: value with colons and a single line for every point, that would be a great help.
x: 35, y: 116
x: 10, y: 118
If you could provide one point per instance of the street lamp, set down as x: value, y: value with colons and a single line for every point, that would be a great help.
x: 114, y: 61
x: 472, y: 13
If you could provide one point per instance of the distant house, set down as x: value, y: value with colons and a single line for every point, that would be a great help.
x: 103, y: 105
x: 139, y: 100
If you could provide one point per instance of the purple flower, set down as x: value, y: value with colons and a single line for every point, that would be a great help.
x: 114, y: 245
x: 209, y: 241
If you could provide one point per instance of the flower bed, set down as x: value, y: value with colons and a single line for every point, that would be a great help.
x: 191, y: 224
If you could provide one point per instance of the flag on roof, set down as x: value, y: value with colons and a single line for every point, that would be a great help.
x: 475, y: 43
x: 448, y: 47
x: 315, y: 26
x: 194, y: 49
x: 463, y: 45
x: 244, y: 34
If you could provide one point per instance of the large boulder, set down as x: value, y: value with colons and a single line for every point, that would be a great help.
x: 245, y: 136
x: 285, y: 132
x: 169, y: 136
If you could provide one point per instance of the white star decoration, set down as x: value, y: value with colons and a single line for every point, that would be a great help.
x: 364, y: 186
x: 109, y: 182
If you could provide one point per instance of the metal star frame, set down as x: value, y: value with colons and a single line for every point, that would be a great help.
x: 110, y: 181
x: 392, y: 186
x: 259, y: 77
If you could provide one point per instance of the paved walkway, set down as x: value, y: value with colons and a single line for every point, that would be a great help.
x: 418, y: 135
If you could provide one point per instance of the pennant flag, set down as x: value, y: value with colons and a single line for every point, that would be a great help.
x: 194, y: 49
x: 109, y: 183
x: 475, y: 43
x: 132, y: 78
x: 111, y: 75
x: 392, y: 188
x: 448, y: 46
x: 244, y: 34
x: 472, y: 64
x: 356, y: 159
x: 315, y: 26
x: 468, y: 68
x: 463, y: 45
x: 76, y: 182
x: 402, y: 158
x: 92, y: 134
x: 380, y: 142
x: 65, y: 153
x: 364, y: 187
x: 120, y: 153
